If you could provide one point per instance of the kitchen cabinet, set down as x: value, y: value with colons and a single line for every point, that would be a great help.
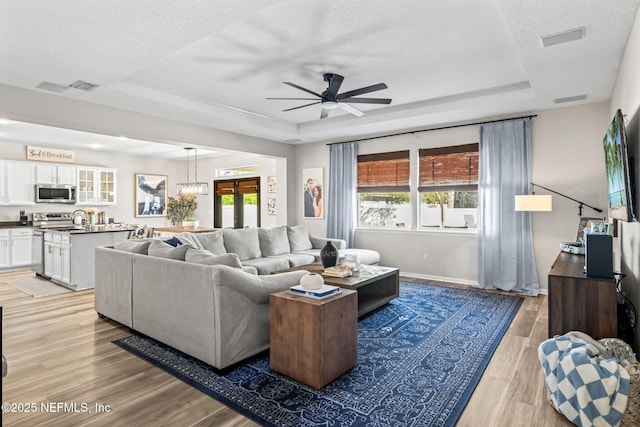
x: 96, y: 186
x: 21, y: 244
x: 15, y: 247
x: 57, y: 257
x: 5, y: 253
x: 17, y: 183
x: 56, y: 174
x: 69, y: 258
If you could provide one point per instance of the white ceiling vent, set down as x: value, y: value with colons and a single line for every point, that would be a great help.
x: 52, y: 87
x: 570, y: 99
x: 563, y: 37
x: 82, y: 85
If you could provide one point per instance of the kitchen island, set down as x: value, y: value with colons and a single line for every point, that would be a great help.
x: 69, y: 256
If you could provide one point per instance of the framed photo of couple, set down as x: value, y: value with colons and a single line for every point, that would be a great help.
x: 313, y: 193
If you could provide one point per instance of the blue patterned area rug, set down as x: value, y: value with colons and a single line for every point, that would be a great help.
x: 419, y: 359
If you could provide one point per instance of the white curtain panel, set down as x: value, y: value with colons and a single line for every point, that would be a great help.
x: 505, y: 246
x: 343, y: 192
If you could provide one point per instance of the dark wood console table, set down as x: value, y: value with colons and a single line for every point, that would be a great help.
x: 580, y: 303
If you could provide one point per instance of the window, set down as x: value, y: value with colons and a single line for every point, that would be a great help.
x: 448, y: 186
x: 237, y: 203
x: 237, y: 171
x: 383, y: 190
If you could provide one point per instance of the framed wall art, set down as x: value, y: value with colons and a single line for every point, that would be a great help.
x: 271, y: 206
x: 150, y: 195
x: 313, y: 195
x: 271, y: 184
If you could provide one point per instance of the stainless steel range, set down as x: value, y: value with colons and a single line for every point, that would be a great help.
x: 53, y: 220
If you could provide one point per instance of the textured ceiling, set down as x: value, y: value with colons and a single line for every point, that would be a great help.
x: 213, y: 63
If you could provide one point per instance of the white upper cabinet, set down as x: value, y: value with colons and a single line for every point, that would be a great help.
x: 96, y: 186
x: 55, y: 174
x: 17, y: 183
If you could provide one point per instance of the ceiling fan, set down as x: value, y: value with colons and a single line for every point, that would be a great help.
x: 331, y: 99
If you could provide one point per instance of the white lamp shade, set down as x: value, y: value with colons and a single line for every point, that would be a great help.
x: 534, y: 202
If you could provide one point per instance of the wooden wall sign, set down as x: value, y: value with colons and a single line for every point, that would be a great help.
x: 50, y: 155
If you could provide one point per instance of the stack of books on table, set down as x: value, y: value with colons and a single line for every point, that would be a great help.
x: 324, y: 292
x: 337, y: 271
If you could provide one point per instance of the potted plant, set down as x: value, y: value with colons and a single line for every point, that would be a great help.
x: 181, y: 208
x: 191, y: 222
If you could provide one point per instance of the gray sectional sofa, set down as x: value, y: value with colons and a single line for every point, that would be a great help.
x: 208, y: 297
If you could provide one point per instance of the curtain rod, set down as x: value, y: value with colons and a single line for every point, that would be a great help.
x: 438, y: 128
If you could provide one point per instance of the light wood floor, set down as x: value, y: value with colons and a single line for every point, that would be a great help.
x: 60, y: 351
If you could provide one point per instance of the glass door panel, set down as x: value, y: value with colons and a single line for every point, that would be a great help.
x: 228, y: 211
x: 250, y: 210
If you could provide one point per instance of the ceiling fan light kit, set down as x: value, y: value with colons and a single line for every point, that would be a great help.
x: 330, y: 99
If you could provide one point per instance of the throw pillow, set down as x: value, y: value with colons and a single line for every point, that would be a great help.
x: 158, y: 248
x: 174, y: 241
x: 299, y: 238
x: 203, y: 256
x: 213, y: 242
x: 189, y: 238
x: 273, y: 241
x: 242, y: 241
x: 135, y: 246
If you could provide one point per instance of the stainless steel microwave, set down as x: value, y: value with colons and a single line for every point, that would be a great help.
x: 52, y: 193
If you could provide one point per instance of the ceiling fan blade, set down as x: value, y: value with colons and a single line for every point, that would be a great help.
x: 302, y: 106
x: 368, y: 100
x: 350, y: 109
x: 302, y: 88
x: 296, y: 99
x: 361, y: 91
x: 324, y: 113
x: 334, y: 85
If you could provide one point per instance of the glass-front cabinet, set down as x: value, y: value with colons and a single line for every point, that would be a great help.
x: 107, y: 186
x: 96, y: 186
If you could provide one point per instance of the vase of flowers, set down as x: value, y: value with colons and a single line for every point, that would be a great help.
x: 180, y: 208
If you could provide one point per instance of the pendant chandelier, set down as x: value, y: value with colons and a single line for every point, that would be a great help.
x: 192, y: 187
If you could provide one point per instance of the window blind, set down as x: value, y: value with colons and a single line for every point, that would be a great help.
x: 448, y: 168
x: 388, y: 172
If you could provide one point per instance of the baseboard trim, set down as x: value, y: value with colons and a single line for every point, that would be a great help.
x: 440, y: 278
x: 543, y: 291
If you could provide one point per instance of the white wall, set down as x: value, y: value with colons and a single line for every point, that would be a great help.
x: 626, y: 96
x: 127, y: 166
x: 567, y: 157
x: 47, y: 109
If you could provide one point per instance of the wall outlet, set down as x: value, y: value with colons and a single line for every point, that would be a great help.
x: 425, y: 257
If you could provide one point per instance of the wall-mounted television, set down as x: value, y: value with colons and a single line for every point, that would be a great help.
x: 619, y: 168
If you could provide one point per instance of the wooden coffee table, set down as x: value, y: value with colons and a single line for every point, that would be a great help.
x: 376, y: 285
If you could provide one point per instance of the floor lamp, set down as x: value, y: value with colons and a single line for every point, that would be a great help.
x: 543, y: 202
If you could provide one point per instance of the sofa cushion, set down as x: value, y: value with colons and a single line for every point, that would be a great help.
x: 158, y: 248
x: 213, y: 242
x: 298, y: 238
x: 242, y: 241
x: 135, y: 246
x: 273, y: 241
x: 365, y: 256
x: 267, y: 265
x: 203, y: 256
x: 296, y: 260
x: 189, y: 238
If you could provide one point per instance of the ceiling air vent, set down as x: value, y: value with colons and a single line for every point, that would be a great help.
x: 570, y: 99
x: 82, y: 85
x: 563, y: 37
x: 52, y: 87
